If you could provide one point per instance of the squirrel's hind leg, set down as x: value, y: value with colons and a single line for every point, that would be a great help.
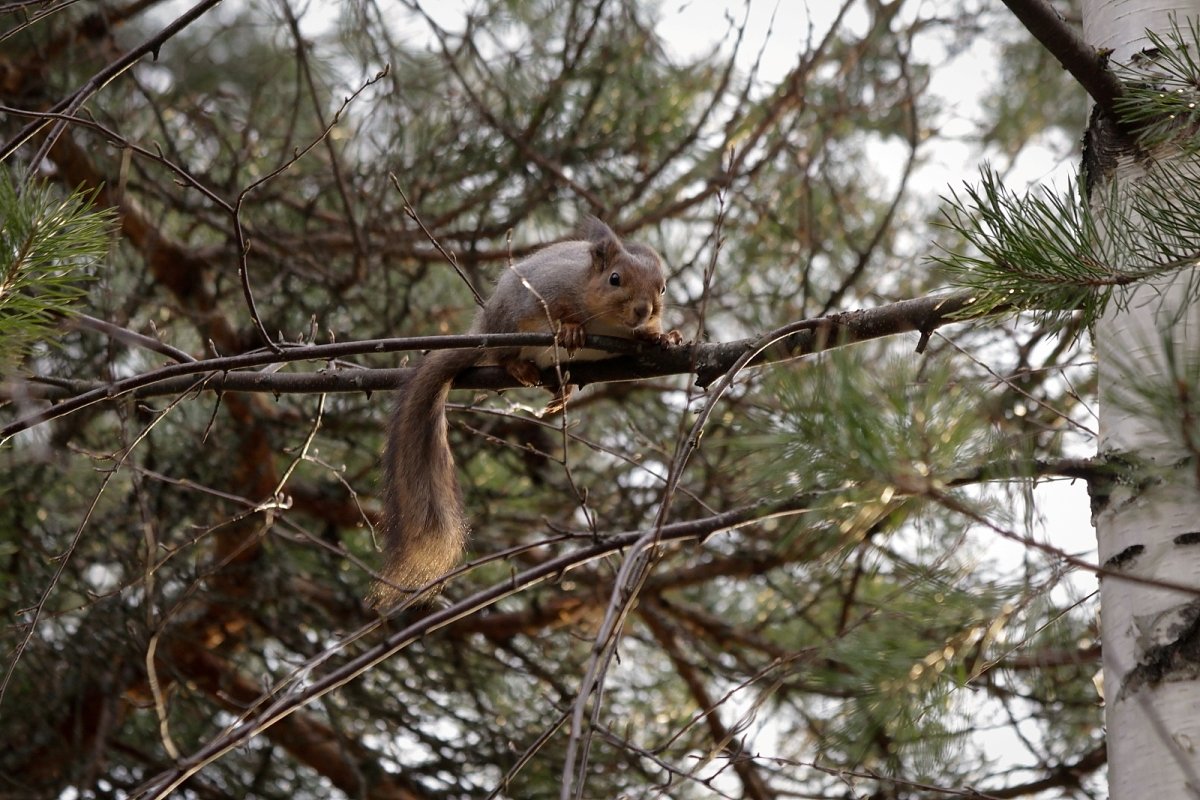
x: 559, y: 401
x: 526, y: 372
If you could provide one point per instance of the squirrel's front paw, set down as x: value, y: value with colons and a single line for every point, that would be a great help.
x: 526, y: 372
x: 571, y: 335
x: 669, y: 339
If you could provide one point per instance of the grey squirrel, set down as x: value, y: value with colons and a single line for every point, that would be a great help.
x: 595, y: 284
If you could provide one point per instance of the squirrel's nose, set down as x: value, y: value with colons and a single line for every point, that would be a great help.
x: 641, y: 313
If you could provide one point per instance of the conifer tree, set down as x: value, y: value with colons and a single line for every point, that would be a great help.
x: 802, y: 556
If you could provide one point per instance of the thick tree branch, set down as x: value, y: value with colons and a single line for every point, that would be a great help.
x: 707, y: 361
x: 1077, y: 57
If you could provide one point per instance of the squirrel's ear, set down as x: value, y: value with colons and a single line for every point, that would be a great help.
x: 605, y: 243
x: 593, y: 230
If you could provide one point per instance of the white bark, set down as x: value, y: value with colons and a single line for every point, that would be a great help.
x: 1151, y: 674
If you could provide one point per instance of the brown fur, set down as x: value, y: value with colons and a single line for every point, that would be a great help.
x: 424, y: 526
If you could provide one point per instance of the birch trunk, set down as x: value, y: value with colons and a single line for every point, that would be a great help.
x: 1148, y: 529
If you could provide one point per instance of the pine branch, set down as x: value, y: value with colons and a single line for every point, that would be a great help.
x: 1160, y: 99
x: 1043, y: 252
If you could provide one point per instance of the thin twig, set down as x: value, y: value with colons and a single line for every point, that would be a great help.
x: 279, y: 706
x: 129, y: 337
x: 411, y: 213
x: 73, y: 101
x: 243, y: 244
x: 39, y: 607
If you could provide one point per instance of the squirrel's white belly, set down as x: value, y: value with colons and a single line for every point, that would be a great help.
x: 547, y: 356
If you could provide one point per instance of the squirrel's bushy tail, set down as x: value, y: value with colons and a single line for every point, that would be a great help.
x: 424, y: 525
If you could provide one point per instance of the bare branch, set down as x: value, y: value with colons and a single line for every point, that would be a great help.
x: 277, y: 704
x: 72, y: 102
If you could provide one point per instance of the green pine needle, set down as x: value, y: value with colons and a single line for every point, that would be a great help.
x: 1036, y: 251
x: 1161, y: 92
x: 47, y: 245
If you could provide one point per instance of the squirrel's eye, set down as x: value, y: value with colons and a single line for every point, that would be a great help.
x: 663, y: 290
x: 615, y: 279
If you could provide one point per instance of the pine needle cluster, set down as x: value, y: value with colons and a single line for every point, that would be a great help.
x: 1162, y: 85
x: 47, y: 245
x: 1061, y: 253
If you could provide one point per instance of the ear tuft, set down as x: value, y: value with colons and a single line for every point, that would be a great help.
x: 605, y: 244
x: 594, y: 231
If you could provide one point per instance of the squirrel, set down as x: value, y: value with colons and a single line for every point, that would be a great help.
x: 595, y: 284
